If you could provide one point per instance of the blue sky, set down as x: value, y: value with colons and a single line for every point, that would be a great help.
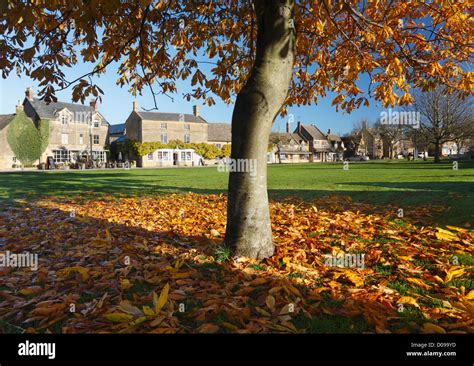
x: 117, y: 103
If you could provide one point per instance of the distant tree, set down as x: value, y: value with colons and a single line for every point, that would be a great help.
x: 391, y: 135
x: 276, y: 142
x: 358, y: 126
x: 444, y: 117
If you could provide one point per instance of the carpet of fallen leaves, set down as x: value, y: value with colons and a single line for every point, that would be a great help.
x: 156, y: 265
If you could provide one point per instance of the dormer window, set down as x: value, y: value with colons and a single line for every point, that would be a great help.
x: 65, y: 117
x: 96, y: 122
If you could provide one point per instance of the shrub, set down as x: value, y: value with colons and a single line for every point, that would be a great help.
x: 26, y: 141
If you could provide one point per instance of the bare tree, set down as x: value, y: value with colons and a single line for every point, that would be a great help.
x: 391, y: 134
x: 444, y: 117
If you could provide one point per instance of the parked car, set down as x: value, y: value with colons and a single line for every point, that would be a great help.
x: 358, y: 158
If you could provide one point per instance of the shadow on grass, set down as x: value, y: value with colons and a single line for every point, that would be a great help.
x: 217, y: 293
x: 454, y: 195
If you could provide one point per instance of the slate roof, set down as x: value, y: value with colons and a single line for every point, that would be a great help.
x: 5, y: 119
x: 220, y: 132
x: 332, y: 137
x: 314, y: 132
x: 171, y: 117
x: 120, y: 139
x: 44, y: 110
x: 285, y: 137
x: 117, y: 129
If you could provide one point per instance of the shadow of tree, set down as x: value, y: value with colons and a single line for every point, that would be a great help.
x: 96, y: 264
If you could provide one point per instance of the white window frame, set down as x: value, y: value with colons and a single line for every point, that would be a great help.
x: 64, y: 139
x: 186, y: 156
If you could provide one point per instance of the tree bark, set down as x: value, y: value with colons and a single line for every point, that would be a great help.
x: 248, y: 230
x: 437, y: 152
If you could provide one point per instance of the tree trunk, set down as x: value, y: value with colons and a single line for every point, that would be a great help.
x: 249, y: 231
x: 437, y: 152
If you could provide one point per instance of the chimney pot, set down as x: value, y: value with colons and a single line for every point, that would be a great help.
x: 94, y: 104
x: 29, y: 93
x: 196, y: 110
x: 19, y: 107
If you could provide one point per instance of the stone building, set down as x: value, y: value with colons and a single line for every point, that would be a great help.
x: 286, y: 147
x: 219, y: 134
x: 76, y: 130
x: 164, y: 127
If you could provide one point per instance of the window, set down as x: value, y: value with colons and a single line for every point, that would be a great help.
x: 185, y: 156
x: 64, y: 119
x: 150, y: 156
x: 187, y: 126
x: 64, y: 138
x: 164, y: 138
x: 61, y: 156
x: 96, y: 122
x: 99, y: 155
x: 164, y: 126
x: 163, y: 156
x: 81, y: 139
x: 187, y: 138
x: 96, y: 139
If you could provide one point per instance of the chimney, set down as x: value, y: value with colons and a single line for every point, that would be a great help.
x: 94, y: 104
x: 19, y: 107
x: 29, y: 93
x: 329, y: 131
x: 196, y: 110
x: 298, y: 127
x: 288, y: 127
x: 135, y: 106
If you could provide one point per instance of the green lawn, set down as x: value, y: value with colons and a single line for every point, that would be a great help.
x: 400, y: 183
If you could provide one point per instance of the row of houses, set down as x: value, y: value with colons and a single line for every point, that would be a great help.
x: 79, y: 131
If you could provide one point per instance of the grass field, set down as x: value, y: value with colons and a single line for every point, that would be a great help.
x: 399, y: 183
x: 417, y: 277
